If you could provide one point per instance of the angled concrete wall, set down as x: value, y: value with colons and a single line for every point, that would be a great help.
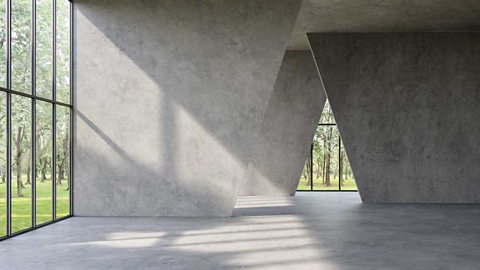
x: 287, y: 129
x: 407, y: 106
x: 170, y: 96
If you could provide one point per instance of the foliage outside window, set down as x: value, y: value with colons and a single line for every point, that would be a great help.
x: 327, y: 167
x: 35, y: 113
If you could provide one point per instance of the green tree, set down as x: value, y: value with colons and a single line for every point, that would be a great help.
x: 21, y: 81
x: 63, y: 144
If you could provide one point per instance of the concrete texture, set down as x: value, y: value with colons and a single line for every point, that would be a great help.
x: 170, y: 96
x: 319, y: 231
x: 287, y: 129
x: 383, y: 16
x: 406, y: 105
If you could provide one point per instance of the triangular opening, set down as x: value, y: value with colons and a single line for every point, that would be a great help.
x: 327, y: 116
x: 327, y: 167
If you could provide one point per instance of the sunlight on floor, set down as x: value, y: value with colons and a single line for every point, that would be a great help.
x: 258, y: 243
x: 246, y: 242
x: 264, y: 201
x: 127, y: 240
x: 321, y: 231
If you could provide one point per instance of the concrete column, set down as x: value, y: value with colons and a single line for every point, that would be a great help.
x: 407, y: 106
x: 288, y: 128
x: 170, y: 96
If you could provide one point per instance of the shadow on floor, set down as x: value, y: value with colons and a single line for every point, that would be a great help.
x: 310, y: 231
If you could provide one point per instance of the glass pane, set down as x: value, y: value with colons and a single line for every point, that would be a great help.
x: 3, y: 164
x: 43, y: 67
x: 304, y: 183
x: 326, y: 158
x: 3, y: 43
x: 331, y: 169
x: 327, y: 114
x: 44, y: 152
x: 63, y: 162
x: 21, y: 155
x: 63, y: 51
x: 21, y: 45
x: 348, y: 181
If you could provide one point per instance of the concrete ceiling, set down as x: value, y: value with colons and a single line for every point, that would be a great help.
x: 383, y: 16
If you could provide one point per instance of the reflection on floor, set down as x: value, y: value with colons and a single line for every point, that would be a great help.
x: 310, y: 231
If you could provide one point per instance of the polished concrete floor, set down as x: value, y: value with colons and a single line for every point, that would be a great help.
x: 311, y: 231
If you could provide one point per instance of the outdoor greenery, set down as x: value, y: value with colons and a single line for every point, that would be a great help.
x: 21, y: 114
x: 348, y: 184
x: 21, y: 215
x: 330, y: 161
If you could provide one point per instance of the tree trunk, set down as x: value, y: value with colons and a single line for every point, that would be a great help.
x: 63, y: 166
x: 340, y: 172
x: 18, y: 145
x: 328, y: 157
x: 327, y: 170
x: 309, y: 178
x: 28, y: 170
x: 60, y: 174
x: 67, y: 172
x: 324, y: 178
x: 43, y: 174
x: 43, y: 171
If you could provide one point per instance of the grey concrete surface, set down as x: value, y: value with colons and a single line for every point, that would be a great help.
x: 170, y: 96
x: 406, y: 105
x: 383, y: 16
x: 315, y: 231
x: 288, y: 127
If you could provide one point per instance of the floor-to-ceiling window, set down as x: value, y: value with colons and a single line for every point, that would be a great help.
x: 327, y: 167
x: 35, y: 114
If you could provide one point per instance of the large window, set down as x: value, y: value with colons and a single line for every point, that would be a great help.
x: 35, y: 114
x: 327, y: 167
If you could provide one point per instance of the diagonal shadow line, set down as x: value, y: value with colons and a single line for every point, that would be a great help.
x: 240, y: 152
x: 105, y: 137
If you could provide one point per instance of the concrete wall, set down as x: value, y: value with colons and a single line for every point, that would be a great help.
x: 407, y: 107
x: 170, y: 96
x: 287, y: 129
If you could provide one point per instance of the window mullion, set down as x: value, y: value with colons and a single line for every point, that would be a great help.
x: 34, y: 115
x: 71, y: 167
x: 9, y: 119
x: 54, y: 108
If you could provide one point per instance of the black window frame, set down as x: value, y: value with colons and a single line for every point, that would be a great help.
x: 33, y: 98
x: 340, y: 160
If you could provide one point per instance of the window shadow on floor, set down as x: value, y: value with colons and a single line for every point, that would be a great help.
x: 332, y: 231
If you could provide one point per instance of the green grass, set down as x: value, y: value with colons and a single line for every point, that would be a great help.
x: 21, y: 207
x: 348, y: 184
